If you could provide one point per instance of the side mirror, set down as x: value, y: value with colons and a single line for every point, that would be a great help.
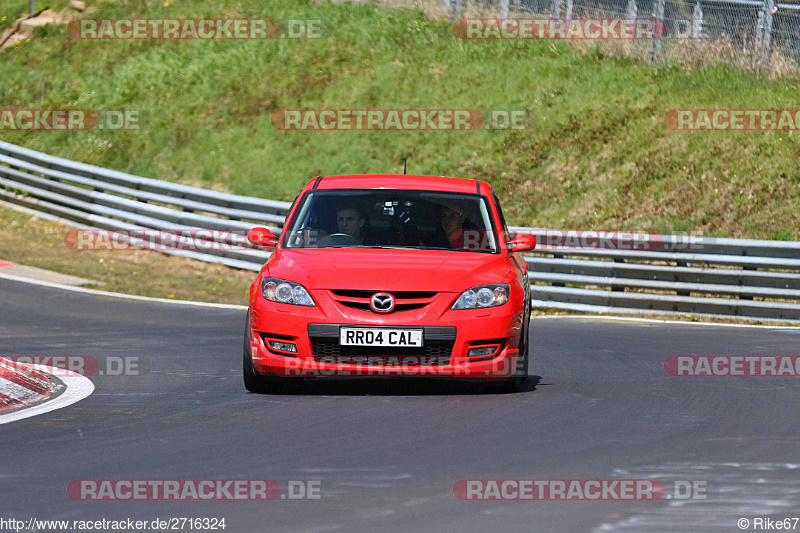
x: 262, y: 237
x: 522, y: 242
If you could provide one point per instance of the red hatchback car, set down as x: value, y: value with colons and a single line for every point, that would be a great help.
x: 390, y: 275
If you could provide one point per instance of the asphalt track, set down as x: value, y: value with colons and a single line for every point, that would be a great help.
x: 388, y: 453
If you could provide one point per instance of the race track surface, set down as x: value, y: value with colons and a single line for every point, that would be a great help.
x: 387, y: 453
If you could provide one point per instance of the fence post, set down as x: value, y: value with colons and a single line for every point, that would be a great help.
x: 555, y: 9
x: 697, y: 20
x: 658, y: 13
x: 630, y: 12
x: 30, y: 10
x: 503, y: 9
x: 767, y: 40
x: 568, y: 10
x: 759, y: 33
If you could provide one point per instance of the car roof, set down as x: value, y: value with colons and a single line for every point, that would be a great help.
x: 399, y: 181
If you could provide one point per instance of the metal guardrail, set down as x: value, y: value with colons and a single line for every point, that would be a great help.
x: 87, y: 195
x: 691, y: 275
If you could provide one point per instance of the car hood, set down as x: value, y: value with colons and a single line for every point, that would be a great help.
x: 388, y: 269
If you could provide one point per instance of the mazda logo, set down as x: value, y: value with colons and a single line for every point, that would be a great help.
x: 382, y: 302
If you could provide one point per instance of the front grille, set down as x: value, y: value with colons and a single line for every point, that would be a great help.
x: 404, y: 300
x: 330, y: 351
x: 399, y: 295
x: 397, y: 307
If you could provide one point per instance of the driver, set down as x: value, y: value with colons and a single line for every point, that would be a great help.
x: 451, y: 220
x: 350, y: 220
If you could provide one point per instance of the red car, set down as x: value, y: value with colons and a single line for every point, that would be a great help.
x: 390, y: 275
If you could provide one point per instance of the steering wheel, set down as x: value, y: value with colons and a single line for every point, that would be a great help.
x: 306, y: 236
x: 337, y: 239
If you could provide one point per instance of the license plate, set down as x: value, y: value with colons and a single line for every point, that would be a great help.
x: 397, y: 338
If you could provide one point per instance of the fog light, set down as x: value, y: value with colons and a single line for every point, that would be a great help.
x: 283, y: 346
x: 481, y: 352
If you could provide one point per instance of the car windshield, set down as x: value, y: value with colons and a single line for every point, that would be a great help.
x: 385, y: 218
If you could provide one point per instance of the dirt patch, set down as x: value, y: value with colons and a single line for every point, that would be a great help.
x: 23, y: 28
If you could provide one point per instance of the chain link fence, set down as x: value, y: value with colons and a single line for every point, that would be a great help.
x: 762, y: 34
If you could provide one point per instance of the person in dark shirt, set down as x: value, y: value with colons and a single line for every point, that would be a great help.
x: 451, y: 221
x: 350, y: 220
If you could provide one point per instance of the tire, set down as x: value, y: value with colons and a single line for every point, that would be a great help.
x: 514, y: 384
x: 523, y: 369
x: 252, y: 381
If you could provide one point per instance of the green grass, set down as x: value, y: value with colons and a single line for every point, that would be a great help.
x: 597, y: 156
x: 30, y: 241
x: 11, y: 10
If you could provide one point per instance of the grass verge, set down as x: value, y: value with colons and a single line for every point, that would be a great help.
x: 30, y: 241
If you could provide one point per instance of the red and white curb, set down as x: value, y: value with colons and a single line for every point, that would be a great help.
x: 20, y: 385
x: 26, y: 390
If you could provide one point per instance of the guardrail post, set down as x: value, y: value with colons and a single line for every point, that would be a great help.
x: 682, y: 264
x: 743, y: 297
x: 617, y: 288
x: 503, y: 14
x: 30, y: 10
x: 658, y: 13
x: 554, y: 284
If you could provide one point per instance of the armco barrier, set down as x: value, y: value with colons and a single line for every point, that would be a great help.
x: 692, y: 275
x: 92, y: 196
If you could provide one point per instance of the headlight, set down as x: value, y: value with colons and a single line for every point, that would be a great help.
x: 286, y: 292
x: 483, y: 296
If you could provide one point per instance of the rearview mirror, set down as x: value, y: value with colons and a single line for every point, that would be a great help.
x: 262, y: 237
x: 523, y: 242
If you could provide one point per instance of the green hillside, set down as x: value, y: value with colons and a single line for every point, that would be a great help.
x: 597, y: 153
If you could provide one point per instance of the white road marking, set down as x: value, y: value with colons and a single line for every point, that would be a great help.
x: 116, y: 294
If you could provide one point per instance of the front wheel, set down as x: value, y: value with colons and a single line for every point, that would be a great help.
x: 514, y: 383
x: 252, y: 381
